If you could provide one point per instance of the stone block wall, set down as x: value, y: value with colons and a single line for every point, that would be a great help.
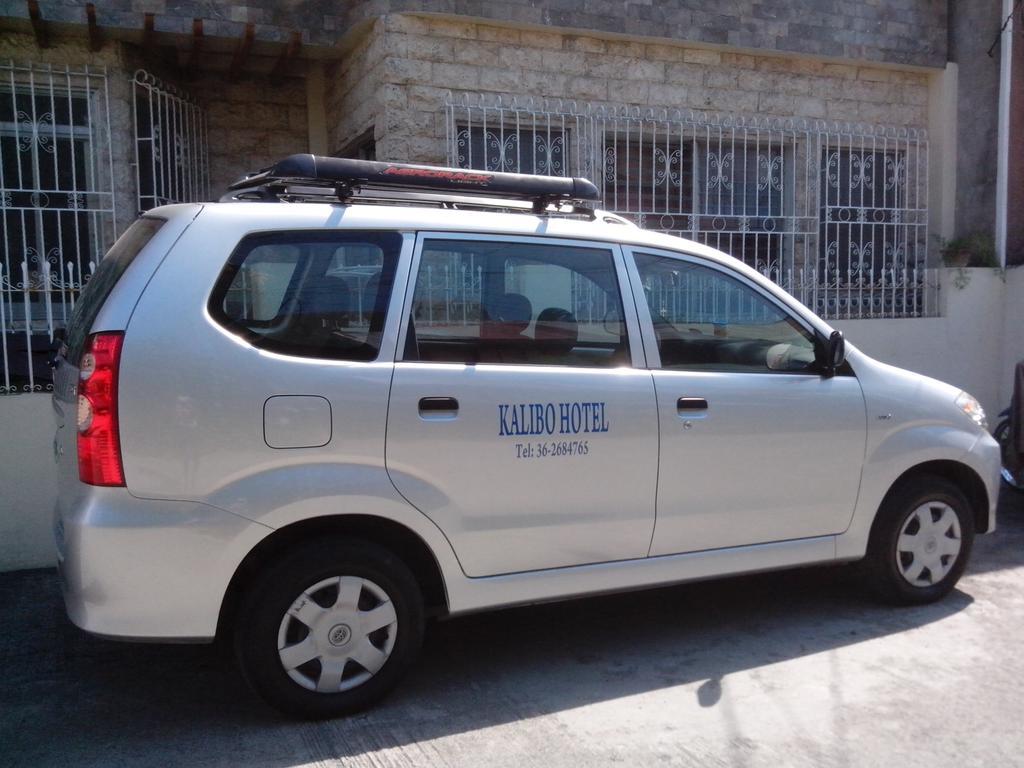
x: 425, y: 57
x: 893, y: 31
x: 353, y: 96
x: 250, y: 124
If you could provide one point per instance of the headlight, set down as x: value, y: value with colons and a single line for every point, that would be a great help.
x: 972, y: 408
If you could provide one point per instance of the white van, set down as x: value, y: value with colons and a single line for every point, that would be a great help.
x: 354, y: 395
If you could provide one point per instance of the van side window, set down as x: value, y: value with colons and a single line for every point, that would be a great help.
x: 483, y: 301
x: 309, y: 294
x: 706, y: 320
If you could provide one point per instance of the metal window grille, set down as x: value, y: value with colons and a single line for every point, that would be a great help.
x: 523, y: 150
x: 836, y: 214
x: 171, y: 157
x: 56, y: 203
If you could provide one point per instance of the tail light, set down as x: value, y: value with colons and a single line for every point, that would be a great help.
x: 99, y: 442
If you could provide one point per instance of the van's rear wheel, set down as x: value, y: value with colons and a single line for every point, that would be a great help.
x: 330, y: 628
x: 921, y: 541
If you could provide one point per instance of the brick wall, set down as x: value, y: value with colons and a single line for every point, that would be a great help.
x: 424, y: 57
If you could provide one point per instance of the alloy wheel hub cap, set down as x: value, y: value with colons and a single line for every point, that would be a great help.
x: 929, y: 543
x: 337, y: 634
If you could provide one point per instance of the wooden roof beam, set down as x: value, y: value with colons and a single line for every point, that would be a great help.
x: 38, y: 25
x: 148, y: 32
x: 241, y: 52
x: 289, y: 53
x: 197, y: 46
x: 95, y: 38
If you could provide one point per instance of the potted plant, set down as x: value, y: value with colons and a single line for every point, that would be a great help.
x: 976, y: 249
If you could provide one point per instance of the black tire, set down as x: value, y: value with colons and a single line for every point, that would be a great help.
x: 1002, y: 433
x: 885, y: 564
x: 1002, y: 436
x: 259, y: 623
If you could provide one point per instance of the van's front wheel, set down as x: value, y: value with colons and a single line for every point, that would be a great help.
x: 330, y: 628
x: 921, y: 541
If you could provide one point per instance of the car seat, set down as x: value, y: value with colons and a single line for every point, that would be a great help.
x: 506, y: 317
x: 324, y: 306
x: 556, y: 333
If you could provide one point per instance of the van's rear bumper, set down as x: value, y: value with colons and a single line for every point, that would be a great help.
x: 147, y: 569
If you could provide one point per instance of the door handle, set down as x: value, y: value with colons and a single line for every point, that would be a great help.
x: 438, y: 405
x: 691, y: 404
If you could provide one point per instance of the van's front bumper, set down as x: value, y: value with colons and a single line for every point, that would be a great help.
x: 147, y: 569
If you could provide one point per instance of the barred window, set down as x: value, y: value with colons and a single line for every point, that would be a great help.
x: 835, y: 213
x: 512, y: 150
x: 170, y: 144
x: 649, y: 176
x: 862, y: 193
x: 56, y: 208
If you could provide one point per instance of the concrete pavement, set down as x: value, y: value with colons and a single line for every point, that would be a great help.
x: 795, y: 669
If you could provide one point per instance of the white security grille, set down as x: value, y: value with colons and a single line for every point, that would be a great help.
x: 836, y: 214
x: 57, y: 204
x: 171, y: 159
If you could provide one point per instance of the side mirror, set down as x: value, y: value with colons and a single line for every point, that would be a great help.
x: 834, y: 354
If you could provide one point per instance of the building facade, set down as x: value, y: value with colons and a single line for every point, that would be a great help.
x: 811, y: 139
x: 834, y: 145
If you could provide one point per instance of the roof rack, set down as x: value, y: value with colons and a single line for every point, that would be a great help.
x: 309, y: 177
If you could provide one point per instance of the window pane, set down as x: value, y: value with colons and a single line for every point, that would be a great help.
x: 509, y: 150
x: 742, y: 194
x: 742, y: 181
x: 170, y: 143
x: 860, y: 228
x: 517, y: 303
x: 257, y: 292
x: 707, y: 320
x: 310, y: 294
x: 650, y: 176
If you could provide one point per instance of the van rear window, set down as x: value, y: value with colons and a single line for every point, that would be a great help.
x: 114, y: 264
x: 318, y: 294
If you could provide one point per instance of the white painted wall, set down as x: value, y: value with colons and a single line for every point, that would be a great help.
x: 28, y: 483
x: 974, y: 345
x: 967, y: 346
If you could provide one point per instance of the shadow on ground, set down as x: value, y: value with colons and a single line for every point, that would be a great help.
x: 67, y: 698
